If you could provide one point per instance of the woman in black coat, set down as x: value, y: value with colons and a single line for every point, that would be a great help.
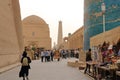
x: 24, y: 72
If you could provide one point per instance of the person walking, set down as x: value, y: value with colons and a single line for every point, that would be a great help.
x: 57, y: 55
x: 42, y: 55
x: 25, y: 62
x: 88, y: 58
x: 51, y: 55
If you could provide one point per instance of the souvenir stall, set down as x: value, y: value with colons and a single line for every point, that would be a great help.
x: 108, y: 65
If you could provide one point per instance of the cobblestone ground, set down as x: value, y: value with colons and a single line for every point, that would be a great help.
x: 47, y: 71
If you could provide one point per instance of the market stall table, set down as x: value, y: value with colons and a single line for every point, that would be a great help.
x: 108, y: 71
x: 93, y: 68
x: 117, y: 75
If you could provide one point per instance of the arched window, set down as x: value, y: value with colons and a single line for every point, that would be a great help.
x: 33, y: 33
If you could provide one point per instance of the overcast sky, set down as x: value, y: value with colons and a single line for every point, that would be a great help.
x: 70, y: 12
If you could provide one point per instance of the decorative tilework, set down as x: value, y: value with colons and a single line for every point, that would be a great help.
x: 94, y: 19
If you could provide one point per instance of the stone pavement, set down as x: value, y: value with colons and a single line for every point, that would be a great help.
x: 47, y: 71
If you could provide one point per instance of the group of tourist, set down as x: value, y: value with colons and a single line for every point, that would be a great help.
x: 50, y: 55
x: 45, y: 56
x: 69, y: 53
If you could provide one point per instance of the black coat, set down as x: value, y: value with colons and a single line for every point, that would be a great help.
x: 88, y: 56
x: 24, y: 69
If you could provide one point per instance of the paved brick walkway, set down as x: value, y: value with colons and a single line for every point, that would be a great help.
x: 47, y: 71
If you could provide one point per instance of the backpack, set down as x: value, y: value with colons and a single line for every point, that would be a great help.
x: 25, y: 61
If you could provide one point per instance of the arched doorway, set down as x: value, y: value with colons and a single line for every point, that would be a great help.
x: 33, y: 45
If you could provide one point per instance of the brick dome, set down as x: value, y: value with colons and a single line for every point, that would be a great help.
x: 33, y: 19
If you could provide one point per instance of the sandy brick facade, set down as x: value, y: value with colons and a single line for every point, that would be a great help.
x: 76, y: 39
x: 10, y: 32
x: 109, y: 36
x: 36, y: 32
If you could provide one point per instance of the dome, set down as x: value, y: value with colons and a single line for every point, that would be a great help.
x: 33, y: 19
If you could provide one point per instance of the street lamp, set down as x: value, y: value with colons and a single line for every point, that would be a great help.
x: 103, y: 13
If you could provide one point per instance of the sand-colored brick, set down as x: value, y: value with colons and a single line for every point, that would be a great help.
x: 108, y: 36
x: 10, y: 32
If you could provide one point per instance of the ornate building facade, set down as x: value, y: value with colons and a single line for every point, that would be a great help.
x: 95, y: 19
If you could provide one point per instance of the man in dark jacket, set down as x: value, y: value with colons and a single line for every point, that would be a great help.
x: 88, y: 58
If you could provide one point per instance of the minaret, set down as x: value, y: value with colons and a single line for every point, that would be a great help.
x: 60, y: 35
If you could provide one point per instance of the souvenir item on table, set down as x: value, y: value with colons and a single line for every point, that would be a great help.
x: 118, y: 64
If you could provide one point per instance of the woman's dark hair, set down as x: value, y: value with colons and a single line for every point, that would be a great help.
x: 89, y: 49
x: 24, y: 54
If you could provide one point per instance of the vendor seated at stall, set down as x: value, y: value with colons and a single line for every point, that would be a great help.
x: 107, y: 60
x: 114, y: 59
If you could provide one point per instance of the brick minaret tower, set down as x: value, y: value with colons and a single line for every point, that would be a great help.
x: 60, y: 35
